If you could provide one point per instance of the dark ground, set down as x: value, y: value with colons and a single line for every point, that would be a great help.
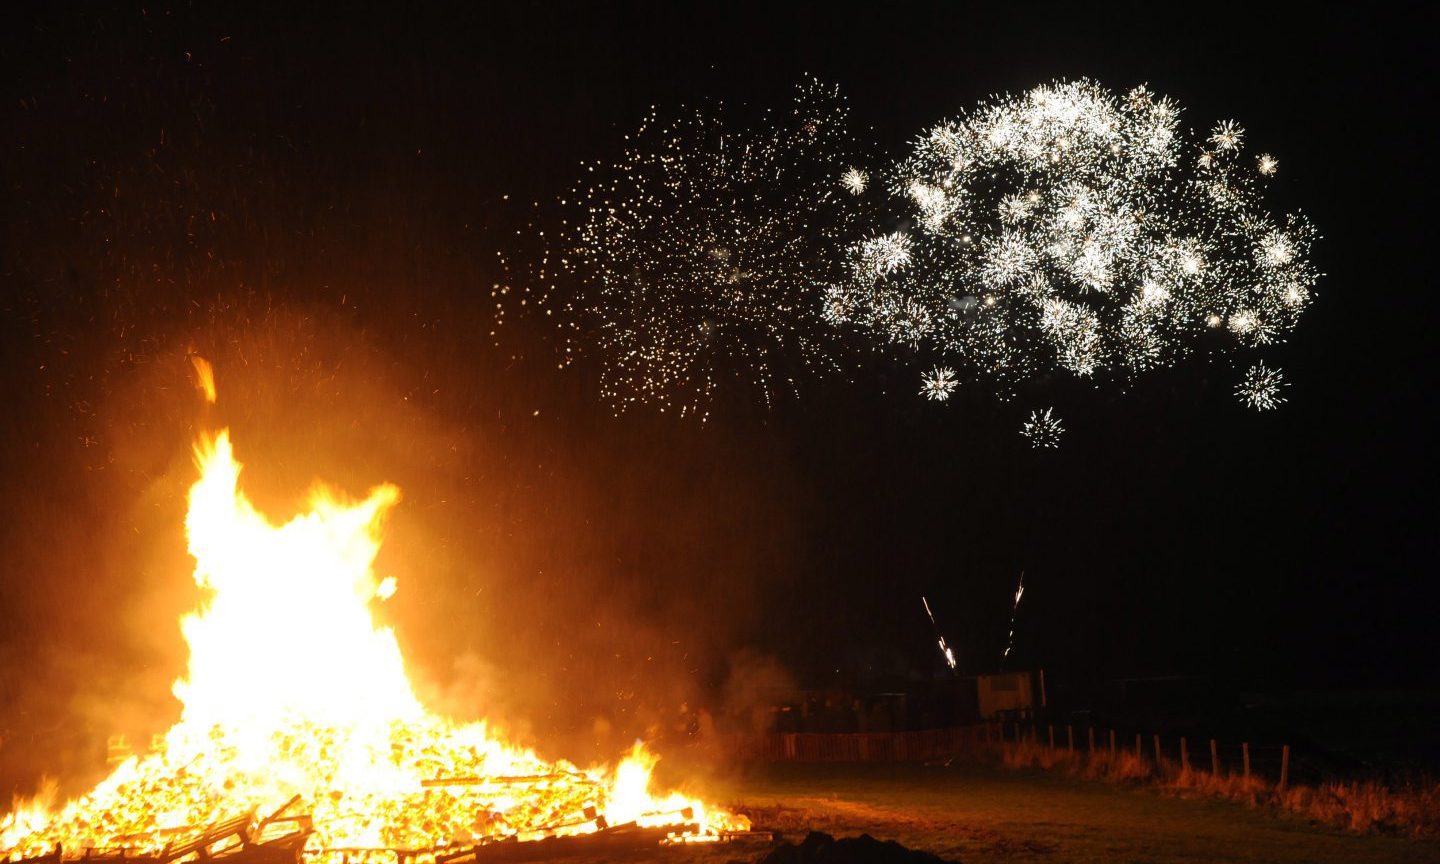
x: 974, y: 814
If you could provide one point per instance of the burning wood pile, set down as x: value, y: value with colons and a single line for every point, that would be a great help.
x: 310, y: 743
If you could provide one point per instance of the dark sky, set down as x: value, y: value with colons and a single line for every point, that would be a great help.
x: 315, y: 200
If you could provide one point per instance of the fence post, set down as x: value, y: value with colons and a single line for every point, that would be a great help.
x: 1069, y: 737
x: 1214, y: 758
x: 1184, y: 757
x: 1245, y: 754
x: 1157, y: 753
x: 1284, y: 766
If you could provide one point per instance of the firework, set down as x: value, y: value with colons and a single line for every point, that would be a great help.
x: 703, y: 250
x: 1260, y: 388
x: 855, y: 181
x: 945, y: 650
x: 1014, y: 611
x: 1043, y: 429
x: 1070, y: 230
x: 938, y: 384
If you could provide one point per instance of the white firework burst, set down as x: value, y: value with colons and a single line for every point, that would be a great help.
x: 938, y: 384
x: 885, y: 254
x: 1260, y: 388
x: 1227, y: 135
x: 1043, y: 429
x: 1067, y: 231
x: 854, y: 181
x: 1100, y: 247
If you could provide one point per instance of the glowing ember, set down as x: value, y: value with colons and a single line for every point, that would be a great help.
x: 293, y: 691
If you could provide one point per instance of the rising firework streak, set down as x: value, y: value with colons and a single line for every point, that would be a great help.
x: 945, y: 650
x: 1014, y: 610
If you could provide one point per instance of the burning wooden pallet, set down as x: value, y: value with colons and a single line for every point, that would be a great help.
x: 616, y: 840
x: 276, y: 839
x: 281, y: 839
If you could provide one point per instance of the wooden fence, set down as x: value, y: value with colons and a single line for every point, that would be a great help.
x: 1166, y: 756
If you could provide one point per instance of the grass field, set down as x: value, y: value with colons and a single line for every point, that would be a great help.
x: 975, y: 813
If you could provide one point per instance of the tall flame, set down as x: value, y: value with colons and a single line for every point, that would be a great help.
x: 292, y: 690
x: 296, y: 597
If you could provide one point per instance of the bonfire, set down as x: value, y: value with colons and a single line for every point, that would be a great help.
x: 301, y: 733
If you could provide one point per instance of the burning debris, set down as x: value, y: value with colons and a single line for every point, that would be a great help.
x: 317, y: 725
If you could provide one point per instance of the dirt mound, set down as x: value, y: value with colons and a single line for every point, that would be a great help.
x: 818, y: 848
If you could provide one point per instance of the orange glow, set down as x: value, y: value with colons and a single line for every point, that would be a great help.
x: 292, y: 690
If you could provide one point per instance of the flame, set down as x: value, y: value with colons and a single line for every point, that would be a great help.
x: 204, y: 377
x: 292, y: 690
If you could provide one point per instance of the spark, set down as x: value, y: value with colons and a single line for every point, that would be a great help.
x: 938, y: 384
x: 1267, y: 165
x: 1260, y: 389
x: 1043, y: 429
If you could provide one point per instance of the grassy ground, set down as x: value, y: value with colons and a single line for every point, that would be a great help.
x: 974, y: 813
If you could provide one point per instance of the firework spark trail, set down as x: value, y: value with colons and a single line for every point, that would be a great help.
x: 945, y: 650
x: 1014, y: 611
x: 704, y: 248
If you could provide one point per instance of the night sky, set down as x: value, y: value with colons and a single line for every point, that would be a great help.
x: 315, y: 200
